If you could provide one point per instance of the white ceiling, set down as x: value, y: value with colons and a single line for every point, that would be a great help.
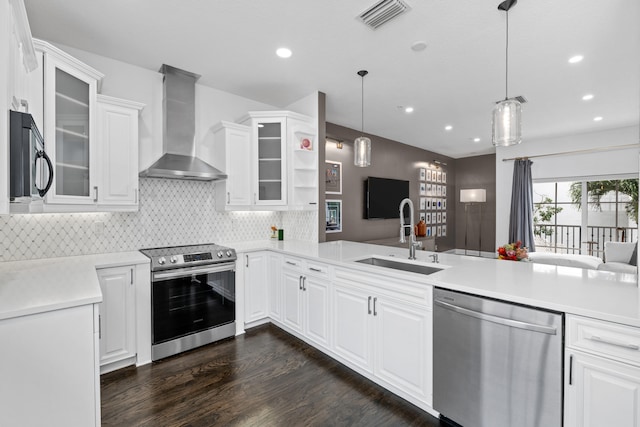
x: 455, y: 81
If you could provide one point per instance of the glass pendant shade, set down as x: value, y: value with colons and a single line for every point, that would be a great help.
x: 507, y: 120
x: 362, y: 152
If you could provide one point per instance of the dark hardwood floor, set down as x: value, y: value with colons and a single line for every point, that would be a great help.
x: 264, y: 378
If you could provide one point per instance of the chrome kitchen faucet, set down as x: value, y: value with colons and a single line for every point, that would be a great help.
x: 413, y: 244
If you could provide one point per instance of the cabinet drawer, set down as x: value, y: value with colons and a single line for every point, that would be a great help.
x: 398, y: 289
x: 317, y: 269
x: 605, y: 338
x: 291, y: 262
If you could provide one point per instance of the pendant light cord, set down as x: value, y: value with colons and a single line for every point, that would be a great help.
x: 362, y: 105
x: 506, y: 63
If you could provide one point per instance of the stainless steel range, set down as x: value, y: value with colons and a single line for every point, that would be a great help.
x: 192, y: 297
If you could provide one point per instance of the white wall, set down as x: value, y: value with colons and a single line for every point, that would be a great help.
x: 602, y: 163
x: 131, y: 82
x: 171, y: 212
x: 5, y: 63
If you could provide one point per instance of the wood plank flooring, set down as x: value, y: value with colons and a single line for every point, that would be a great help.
x: 264, y: 378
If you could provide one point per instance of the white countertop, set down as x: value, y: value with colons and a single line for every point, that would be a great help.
x: 33, y: 286
x: 599, y: 294
x: 37, y: 286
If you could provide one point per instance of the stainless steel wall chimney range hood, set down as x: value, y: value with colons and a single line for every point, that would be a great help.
x: 178, y: 160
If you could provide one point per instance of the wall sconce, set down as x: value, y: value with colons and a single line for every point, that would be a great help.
x: 469, y: 197
x: 338, y: 142
x: 438, y: 164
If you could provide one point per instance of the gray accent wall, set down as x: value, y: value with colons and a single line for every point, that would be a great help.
x: 389, y: 159
x: 476, y: 172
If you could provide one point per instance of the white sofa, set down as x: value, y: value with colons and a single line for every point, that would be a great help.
x: 619, y: 257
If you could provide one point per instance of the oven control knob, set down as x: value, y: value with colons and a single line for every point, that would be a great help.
x: 162, y: 260
x: 174, y: 259
x: 229, y: 253
x: 219, y: 254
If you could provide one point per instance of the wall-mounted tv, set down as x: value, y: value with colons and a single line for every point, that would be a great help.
x: 382, y: 197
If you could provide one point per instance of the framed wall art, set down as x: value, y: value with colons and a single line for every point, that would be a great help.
x: 333, y: 216
x: 333, y: 177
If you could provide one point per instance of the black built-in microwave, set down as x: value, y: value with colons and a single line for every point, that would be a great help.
x: 31, y: 170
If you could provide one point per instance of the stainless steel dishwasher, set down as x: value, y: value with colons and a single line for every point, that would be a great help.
x: 496, y: 364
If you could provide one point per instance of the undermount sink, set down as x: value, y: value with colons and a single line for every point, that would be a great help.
x: 404, y: 266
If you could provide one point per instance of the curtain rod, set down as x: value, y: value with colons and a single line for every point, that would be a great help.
x: 564, y: 153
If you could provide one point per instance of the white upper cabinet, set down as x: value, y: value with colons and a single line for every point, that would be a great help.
x: 92, y: 139
x: 118, y: 151
x: 271, y: 161
x: 70, y: 90
x: 232, y: 145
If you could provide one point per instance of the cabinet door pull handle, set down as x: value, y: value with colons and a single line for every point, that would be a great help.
x: 300, y: 282
x: 291, y: 263
x: 369, y: 306
x: 95, y: 199
x: 132, y: 276
x: 228, y: 197
x: 571, y: 369
x: 375, y: 313
x: 315, y: 269
x: 255, y: 198
x: 99, y: 326
x: 304, y: 283
x: 247, y: 258
x: 613, y: 342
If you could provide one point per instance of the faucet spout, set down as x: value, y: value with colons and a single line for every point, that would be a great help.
x: 412, y: 235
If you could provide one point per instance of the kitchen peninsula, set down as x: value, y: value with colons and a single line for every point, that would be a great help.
x: 302, y: 274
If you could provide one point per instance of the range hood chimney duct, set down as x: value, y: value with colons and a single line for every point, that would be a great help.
x: 178, y: 160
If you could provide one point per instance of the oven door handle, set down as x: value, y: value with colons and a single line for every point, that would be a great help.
x: 185, y: 272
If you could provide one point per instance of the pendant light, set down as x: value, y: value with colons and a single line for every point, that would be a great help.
x: 507, y: 114
x: 362, y: 144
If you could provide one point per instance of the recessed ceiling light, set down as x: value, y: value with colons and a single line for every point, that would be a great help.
x: 476, y: 139
x: 448, y: 127
x: 597, y: 119
x: 587, y: 97
x: 418, y: 46
x: 575, y: 59
x: 283, y: 52
x: 408, y: 110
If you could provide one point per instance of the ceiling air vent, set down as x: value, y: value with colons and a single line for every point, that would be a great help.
x: 382, y: 12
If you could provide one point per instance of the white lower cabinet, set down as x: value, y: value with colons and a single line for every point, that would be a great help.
x: 387, y: 337
x: 292, y: 299
x: 352, y: 325
x: 377, y: 325
x: 49, y: 369
x: 117, y: 317
x: 305, y: 289
x: 315, y: 291
x: 255, y: 265
x: 402, y: 346
x: 274, y: 288
x: 602, y: 373
x: 601, y: 392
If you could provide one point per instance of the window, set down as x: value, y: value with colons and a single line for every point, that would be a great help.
x: 566, y: 221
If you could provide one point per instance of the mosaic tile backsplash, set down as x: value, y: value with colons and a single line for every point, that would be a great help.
x: 171, y: 213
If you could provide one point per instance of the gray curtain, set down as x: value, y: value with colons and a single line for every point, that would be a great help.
x: 521, y: 218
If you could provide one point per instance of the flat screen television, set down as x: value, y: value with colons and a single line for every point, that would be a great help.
x: 382, y: 197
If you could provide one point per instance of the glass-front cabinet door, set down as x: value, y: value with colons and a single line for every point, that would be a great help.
x: 271, y: 172
x: 69, y: 101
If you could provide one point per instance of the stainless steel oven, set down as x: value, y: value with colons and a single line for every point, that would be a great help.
x: 192, y: 297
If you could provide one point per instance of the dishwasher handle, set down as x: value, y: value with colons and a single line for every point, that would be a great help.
x: 551, y: 330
